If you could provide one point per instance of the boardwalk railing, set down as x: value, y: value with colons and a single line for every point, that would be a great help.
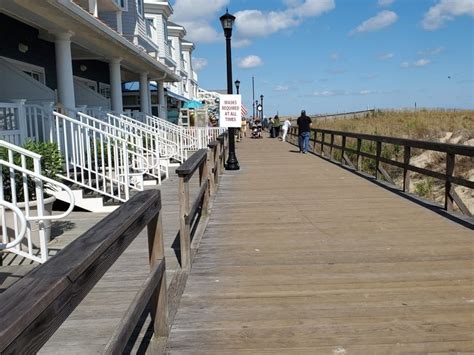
x: 34, y: 307
x: 350, y: 144
x: 208, y: 163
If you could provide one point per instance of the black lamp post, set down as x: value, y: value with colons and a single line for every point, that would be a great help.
x: 227, y: 21
x: 261, y: 103
x: 237, y: 86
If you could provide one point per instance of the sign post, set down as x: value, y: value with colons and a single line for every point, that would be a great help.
x: 230, y: 115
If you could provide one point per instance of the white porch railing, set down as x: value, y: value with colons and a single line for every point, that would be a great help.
x: 101, y: 158
x: 26, y: 228
x: 144, y: 141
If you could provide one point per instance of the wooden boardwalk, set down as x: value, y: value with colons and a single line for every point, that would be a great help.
x: 90, y: 326
x: 301, y: 256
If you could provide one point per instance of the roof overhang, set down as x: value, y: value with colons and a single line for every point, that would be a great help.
x: 187, y: 46
x: 60, y: 16
x: 176, y: 30
x: 157, y: 7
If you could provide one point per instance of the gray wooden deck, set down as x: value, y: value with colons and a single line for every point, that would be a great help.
x: 301, y: 256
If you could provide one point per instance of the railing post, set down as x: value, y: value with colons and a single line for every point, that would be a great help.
x: 203, y: 178
x: 315, y: 139
x: 331, y: 150
x: 448, y: 199
x: 184, y: 230
x: 22, y: 120
x: 359, y: 157
x: 159, y: 300
x: 343, y: 148
x: 323, y: 137
x: 377, y: 159
x: 406, y: 172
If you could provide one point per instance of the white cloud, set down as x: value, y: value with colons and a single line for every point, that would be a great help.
x: 281, y: 88
x: 381, y: 20
x: 385, y: 2
x: 419, y: 63
x: 199, y: 63
x: 385, y: 56
x: 329, y: 93
x: 240, y: 43
x: 446, y: 10
x: 196, y: 16
x: 255, y: 23
x: 431, y: 51
x: 251, y: 61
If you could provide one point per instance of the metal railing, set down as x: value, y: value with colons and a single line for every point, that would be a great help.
x: 23, y: 185
x: 99, y: 156
x: 349, y: 147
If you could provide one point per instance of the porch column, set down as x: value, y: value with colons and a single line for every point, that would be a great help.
x: 144, y: 103
x: 115, y: 85
x: 163, y: 111
x: 64, y: 70
x: 119, y: 21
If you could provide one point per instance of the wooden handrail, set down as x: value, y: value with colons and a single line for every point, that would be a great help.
x: 451, y: 151
x: 33, y: 308
x: 209, y: 163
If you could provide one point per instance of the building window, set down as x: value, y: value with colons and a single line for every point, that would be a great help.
x: 140, y: 7
x: 104, y: 90
x: 91, y: 84
x: 34, y: 71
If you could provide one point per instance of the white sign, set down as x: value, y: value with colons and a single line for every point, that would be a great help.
x: 230, y: 115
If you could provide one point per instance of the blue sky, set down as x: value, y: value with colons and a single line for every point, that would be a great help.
x: 337, y: 55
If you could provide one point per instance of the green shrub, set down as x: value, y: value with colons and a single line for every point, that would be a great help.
x: 51, y: 165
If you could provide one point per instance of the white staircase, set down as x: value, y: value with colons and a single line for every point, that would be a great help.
x: 25, y: 222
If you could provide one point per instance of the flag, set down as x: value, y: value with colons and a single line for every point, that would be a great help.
x: 243, y: 110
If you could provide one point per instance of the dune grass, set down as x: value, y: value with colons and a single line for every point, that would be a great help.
x: 423, y: 124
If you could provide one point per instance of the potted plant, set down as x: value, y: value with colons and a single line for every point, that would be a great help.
x: 51, y: 165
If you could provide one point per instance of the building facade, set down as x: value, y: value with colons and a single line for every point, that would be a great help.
x: 80, y: 53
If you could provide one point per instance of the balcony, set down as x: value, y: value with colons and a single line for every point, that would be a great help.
x: 102, y: 5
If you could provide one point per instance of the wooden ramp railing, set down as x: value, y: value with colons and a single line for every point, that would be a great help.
x: 349, y: 145
x: 33, y: 308
x: 210, y: 163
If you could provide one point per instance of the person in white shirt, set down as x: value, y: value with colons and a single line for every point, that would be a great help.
x: 286, y: 126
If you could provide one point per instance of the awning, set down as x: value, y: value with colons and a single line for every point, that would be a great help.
x: 193, y: 104
x: 176, y: 96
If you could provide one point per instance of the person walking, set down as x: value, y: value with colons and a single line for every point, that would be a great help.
x: 304, y: 129
x: 284, y: 128
x: 271, y: 130
x: 276, y: 126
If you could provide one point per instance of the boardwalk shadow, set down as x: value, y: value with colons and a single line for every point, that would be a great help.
x: 294, y: 151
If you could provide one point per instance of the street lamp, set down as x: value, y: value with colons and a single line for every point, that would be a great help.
x: 261, y: 103
x: 227, y: 21
x: 237, y: 86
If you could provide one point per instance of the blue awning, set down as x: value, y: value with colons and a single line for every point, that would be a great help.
x: 176, y: 96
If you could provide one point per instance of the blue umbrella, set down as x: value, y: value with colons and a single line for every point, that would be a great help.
x: 193, y: 104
